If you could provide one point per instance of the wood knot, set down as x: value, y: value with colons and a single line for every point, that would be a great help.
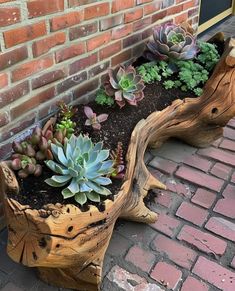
x: 55, y: 213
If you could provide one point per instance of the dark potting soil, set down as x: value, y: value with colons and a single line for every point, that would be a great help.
x: 118, y: 128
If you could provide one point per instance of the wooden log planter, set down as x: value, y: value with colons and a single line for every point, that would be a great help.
x: 68, y: 246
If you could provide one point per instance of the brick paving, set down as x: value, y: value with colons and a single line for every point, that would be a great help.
x: 192, y: 245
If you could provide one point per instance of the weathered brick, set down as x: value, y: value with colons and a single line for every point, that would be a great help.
x: 23, y: 34
x: 14, y: 93
x: 140, y: 258
x: 215, y: 274
x: 204, y: 198
x: 72, y: 51
x: 228, y: 145
x: 229, y: 133
x: 191, y: 284
x: 151, y: 8
x: 202, y: 241
x: 166, y: 224
x: 197, y: 162
x: 121, y: 31
x: 9, y: 15
x: 38, y: 8
x: 231, y: 123
x: 85, y: 89
x: 133, y: 15
x: 226, y: 207
x: 178, y: 188
x: 166, y: 275
x: 71, y: 82
x: 164, y: 198
x: 176, y: 252
x: 233, y: 178
x: 98, y: 69
x: 98, y: 41
x: 121, y: 58
x: 48, y: 78
x: 222, y: 171
x: 4, y: 118
x: 199, y: 178
x: 163, y: 165
x: 122, y: 5
x: 13, y: 57
x: 83, y: 63
x: 142, y: 23
x: 118, y: 245
x: 192, y: 213
x: 131, y: 40
x: 96, y: 11
x: 30, y: 68
x: 181, y: 18
x: 233, y: 263
x: 3, y: 80
x: 219, y: 155
x: 83, y: 30
x: 66, y: 20
x: 110, y: 50
x: 44, y: 45
x: 222, y: 227
x: 159, y: 15
x: 229, y: 191
x: 111, y: 22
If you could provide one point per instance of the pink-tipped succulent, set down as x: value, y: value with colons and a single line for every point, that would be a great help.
x: 94, y: 120
x: 118, y: 162
x: 125, y: 86
x: 66, y: 111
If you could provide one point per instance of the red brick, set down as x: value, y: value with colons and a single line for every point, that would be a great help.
x: 192, y: 213
x: 83, y: 30
x: 229, y: 191
x: 222, y: 171
x: 158, y: 16
x: 215, y: 274
x: 226, y: 207
x: 96, y: 11
x: 13, y: 57
x: 228, y: 145
x: 131, y: 40
x: 219, y: 155
x: 44, y: 45
x: 166, y: 224
x: 142, y: 23
x: 231, y: 123
x: 233, y: 263
x: 110, y: 50
x: 217, y: 142
x: 163, y: 165
x: 67, y: 84
x: 83, y: 63
x: 202, y: 241
x: 139, y: 2
x: 222, y: 227
x: 175, y: 251
x: 30, y: 68
x: 121, y: 31
x: 3, y: 80
x: 178, y: 188
x: 85, y: 89
x: 189, y: 4
x: 72, y: 51
x: 133, y: 15
x: 164, y: 198
x: 174, y: 10
x: 204, y: 198
x: 23, y: 34
x: 229, y: 133
x: 191, y: 284
x: 5, y: 150
x: 197, y: 162
x: 181, y: 18
x: 38, y: 8
x: 111, y: 22
x: 9, y: 15
x: 167, y: 275
x: 66, y: 20
x: 151, y: 8
x: 100, y: 68
x: 118, y: 5
x: 4, y: 118
x: 14, y: 93
x: 48, y: 78
x: 199, y: 178
x: 98, y: 41
x: 121, y: 58
x: 233, y: 178
x: 140, y: 258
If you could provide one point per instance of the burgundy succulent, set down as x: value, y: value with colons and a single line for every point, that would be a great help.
x: 94, y: 120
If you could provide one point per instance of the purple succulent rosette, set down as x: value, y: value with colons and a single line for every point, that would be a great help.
x: 171, y: 42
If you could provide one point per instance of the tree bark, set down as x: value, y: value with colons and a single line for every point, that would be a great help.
x: 67, y: 245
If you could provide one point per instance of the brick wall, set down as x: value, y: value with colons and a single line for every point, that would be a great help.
x: 60, y: 49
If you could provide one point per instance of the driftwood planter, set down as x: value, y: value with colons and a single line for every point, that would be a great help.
x: 68, y: 246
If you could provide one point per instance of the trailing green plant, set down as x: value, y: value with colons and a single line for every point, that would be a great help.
x: 83, y: 167
x: 125, y: 86
x: 103, y: 99
x: 208, y: 55
x: 150, y: 72
x: 171, y: 42
x: 93, y: 119
x: 118, y: 162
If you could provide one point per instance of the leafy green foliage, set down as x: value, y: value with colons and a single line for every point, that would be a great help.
x: 208, y: 55
x: 103, y: 99
x: 149, y: 72
x: 83, y: 165
x: 169, y: 84
x: 66, y: 125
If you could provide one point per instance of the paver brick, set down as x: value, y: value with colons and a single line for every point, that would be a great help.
x: 231, y: 123
x: 233, y: 178
x: 198, y: 162
x: 203, y: 241
x: 204, y: 198
x: 199, y: 178
x: 192, y: 213
x: 229, y: 191
x: 166, y: 224
x: 118, y: 245
x: 228, y: 144
x: 167, y: 275
x: 178, y: 188
x: 219, y: 155
x: 215, y: 274
x: 176, y: 252
x: 192, y: 284
x: 222, y: 227
x: 226, y: 207
x: 164, y: 198
x: 229, y: 133
x: 163, y: 165
x: 222, y: 171
x: 11, y: 287
x: 233, y: 263
x: 140, y: 258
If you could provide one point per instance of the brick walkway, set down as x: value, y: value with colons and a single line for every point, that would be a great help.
x: 191, y: 246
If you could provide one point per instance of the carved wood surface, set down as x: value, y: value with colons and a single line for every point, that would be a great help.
x: 67, y: 245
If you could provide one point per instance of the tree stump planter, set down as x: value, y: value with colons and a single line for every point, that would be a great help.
x: 68, y: 246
